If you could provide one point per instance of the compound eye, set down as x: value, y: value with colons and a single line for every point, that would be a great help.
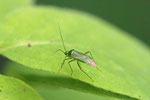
x: 66, y: 52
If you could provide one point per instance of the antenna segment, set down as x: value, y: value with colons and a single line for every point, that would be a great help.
x: 61, y: 37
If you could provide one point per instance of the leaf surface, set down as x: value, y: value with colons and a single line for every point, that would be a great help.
x: 14, y: 89
x: 30, y: 36
x: 50, y: 85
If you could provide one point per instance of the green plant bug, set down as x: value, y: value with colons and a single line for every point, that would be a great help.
x: 73, y: 55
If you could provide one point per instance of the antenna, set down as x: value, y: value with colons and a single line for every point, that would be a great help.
x: 61, y: 37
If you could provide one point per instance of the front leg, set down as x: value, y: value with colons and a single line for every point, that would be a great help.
x: 64, y: 62
x: 70, y: 65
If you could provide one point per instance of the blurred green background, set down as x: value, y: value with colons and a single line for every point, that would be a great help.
x: 132, y: 16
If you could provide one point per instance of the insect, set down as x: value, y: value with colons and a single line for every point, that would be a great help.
x: 73, y: 55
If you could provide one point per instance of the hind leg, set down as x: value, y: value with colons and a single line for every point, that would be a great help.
x: 84, y: 71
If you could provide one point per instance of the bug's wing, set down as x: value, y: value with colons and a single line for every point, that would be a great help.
x: 90, y: 62
x: 84, y: 58
x: 87, y: 60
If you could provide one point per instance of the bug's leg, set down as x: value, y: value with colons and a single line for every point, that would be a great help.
x: 58, y: 50
x: 89, y: 53
x: 64, y: 62
x: 70, y: 65
x: 84, y: 71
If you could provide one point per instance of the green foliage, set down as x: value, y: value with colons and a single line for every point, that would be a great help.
x: 11, y: 88
x: 124, y: 61
x: 50, y: 85
x: 14, y: 89
x: 7, y: 6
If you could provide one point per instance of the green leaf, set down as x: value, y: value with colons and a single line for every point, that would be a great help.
x: 46, y: 84
x: 7, y: 6
x: 14, y: 89
x: 30, y: 36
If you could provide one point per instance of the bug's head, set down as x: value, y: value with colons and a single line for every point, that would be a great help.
x: 66, y: 53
